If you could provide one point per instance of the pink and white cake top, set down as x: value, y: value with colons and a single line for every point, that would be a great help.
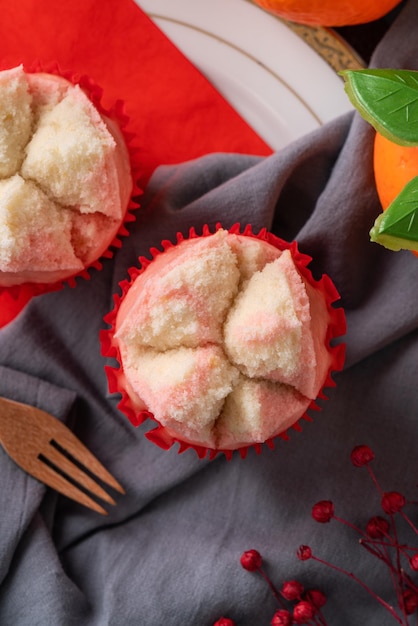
x: 224, y: 339
x: 65, y: 178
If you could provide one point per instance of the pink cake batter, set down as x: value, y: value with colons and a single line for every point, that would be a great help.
x: 65, y: 178
x: 223, y: 340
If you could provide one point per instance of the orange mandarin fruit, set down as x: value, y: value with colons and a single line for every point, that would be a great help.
x: 394, y: 166
x: 329, y: 12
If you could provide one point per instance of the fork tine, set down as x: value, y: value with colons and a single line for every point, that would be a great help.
x: 54, y: 456
x: 69, y: 442
x: 45, y: 437
x: 50, y: 477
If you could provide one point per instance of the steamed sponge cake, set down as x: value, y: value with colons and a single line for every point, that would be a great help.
x: 15, y: 121
x: 216, y: 340
x: 187, y: 305
x: 58, y: 153
x: 45, y: 241
x: 267, y: 331
x: 70, y: 157
x: 250, y: 412
x: 263, y: 331
x: 186, y: 388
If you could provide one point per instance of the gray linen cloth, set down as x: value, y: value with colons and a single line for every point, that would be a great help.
x: 169, y: 552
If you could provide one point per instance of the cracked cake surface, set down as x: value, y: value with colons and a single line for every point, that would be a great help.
x: 223, y: 340
x: 65, y: 178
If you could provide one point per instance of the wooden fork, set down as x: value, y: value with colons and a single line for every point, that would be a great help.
x: 43, y: 446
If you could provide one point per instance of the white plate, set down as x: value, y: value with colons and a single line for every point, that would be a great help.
x: 276, y: 81
x: 270, y: 75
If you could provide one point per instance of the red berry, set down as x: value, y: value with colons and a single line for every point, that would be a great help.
x: 304, y: 553
x: 392, y: 502
x: 377, y: 527
x: 303, y: 612
x: 251, y: 560
x: 361, y: 455
x: 323, y: 511
x: 224, y: 621
x: 316, y: 598
x: 292, y: 590
x: 410, y: 600
x: 413, y: 561
x: 282, y: 617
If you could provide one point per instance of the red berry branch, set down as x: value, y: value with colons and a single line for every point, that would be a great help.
x: 297, y: 605
x: 380, y: 538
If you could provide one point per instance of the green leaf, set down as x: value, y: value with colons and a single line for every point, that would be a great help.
x: 397, y: 227
x: 388, y: 100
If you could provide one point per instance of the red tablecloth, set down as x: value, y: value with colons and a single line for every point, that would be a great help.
x: 174, y: 111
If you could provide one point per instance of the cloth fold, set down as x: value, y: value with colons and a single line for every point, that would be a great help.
x: 169, y: 552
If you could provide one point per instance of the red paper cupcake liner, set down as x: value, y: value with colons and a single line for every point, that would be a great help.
x: 25, y: 291
x: 160, y: 435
